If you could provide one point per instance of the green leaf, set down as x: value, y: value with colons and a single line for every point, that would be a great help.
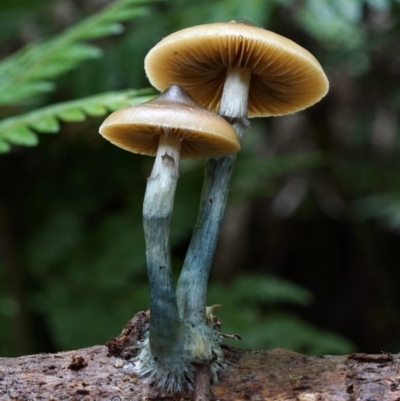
x: 47, y: 124
x: 80, y: 52
x: 4, y: 146
x: 72, y: 114
x: 94, y: 109
x: 105, y: 30
x: 24, y: 91
x: 123, y: 15
x: 26, y: 73
x: 66, y: 59
x: 20, y: 136
x: 270, y: 289
x: 17, y: 129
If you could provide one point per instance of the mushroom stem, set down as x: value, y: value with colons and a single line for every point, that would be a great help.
x: 192, y: 285
x: 235, y: 94
x: 165, y: 324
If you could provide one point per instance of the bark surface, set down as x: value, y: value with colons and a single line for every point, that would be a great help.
x: 97, y: 373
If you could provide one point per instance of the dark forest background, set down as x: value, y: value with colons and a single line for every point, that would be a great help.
x: 309, y: 255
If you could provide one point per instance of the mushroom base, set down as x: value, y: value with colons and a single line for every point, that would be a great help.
x: 176, y: 372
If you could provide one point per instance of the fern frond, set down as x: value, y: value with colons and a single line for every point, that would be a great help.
x: 23, y: 129
x: 30, y: 71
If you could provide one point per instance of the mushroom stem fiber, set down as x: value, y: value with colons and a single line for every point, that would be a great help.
x: 165, y: 324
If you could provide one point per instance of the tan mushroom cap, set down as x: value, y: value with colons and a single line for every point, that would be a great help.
x: 174, y: 113
x: 285, y: 77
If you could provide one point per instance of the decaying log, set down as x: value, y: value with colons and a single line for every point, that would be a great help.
x: 98, y: 373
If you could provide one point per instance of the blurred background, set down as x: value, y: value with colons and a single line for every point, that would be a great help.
x: 309, y: 254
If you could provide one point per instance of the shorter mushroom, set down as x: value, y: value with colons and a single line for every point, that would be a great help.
x: 170, y: 126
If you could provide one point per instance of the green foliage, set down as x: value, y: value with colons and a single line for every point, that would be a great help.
x: 270, y: 290
x: 20, y: 130
x: 79, y: 283
x: 254, y: 306
x: 32, y: 71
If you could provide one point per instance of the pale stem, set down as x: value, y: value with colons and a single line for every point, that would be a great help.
x: 235, y: 94
x: 165, y: 324
x: 192, y: 284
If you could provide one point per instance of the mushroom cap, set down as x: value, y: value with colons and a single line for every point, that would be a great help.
x: 174, y: 113
x: 285, y: 77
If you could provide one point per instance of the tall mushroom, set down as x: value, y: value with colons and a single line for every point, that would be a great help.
x: 170, y: 126
x: 239, y: 70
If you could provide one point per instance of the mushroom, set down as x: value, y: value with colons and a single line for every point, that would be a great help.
x: 170, y: 126
x: 239, y: 70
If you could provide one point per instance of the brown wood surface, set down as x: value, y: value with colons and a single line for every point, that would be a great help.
x: 97, y: 374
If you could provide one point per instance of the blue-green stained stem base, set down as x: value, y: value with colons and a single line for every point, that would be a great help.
x: 164, y: 319
x: 165, y: 324
x: 192, y: 284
